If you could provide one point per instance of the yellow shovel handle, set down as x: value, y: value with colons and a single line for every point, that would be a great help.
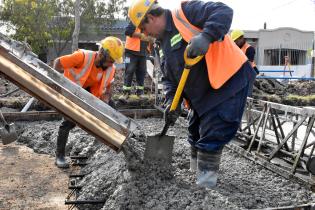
x: 188, y: 62
x: 180, y: 89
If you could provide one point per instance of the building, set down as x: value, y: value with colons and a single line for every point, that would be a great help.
x: 283, y: 49
x: 90, y: 35
x: 276, y: 49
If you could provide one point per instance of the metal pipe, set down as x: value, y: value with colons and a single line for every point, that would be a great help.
x: 84, y: 202
x: 76, y: 175
x: 9, y: 93
x: 275, y: 70
x: 274, y: 77
x: 28, y: 105
x: 75, y: 187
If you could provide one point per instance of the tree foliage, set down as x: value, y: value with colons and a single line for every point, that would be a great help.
x: 29, y: 19
x: 46, y: 23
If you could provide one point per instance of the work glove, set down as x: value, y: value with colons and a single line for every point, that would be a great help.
x: 198, y: 45
x: 146, y: 38
x: 170, y: 117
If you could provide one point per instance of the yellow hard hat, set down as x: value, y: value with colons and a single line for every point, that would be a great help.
x: 236, y: 34
x: 115, y: 48
x: 138, y: 9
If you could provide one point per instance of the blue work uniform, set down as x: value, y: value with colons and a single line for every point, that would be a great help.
x: 250, y: 54
x: 136, y: 62
x: 216, y: 112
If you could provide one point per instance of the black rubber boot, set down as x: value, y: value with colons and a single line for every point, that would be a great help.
x: 62, y: 138
x: 208, y: 167
x: 61, y: 161
x: 193, y: 159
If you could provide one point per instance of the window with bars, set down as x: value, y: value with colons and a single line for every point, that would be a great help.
x: 278, y: 57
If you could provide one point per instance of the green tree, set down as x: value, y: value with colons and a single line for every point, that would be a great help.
x: 46, y: 23
x: 29, y: 20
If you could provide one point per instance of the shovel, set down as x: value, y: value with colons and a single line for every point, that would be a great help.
x: 160, y: 147
x: 8, y: 132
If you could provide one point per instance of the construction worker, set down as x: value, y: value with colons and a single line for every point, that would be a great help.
x: 216, y: 88
x: 238, y: 37
x: 135, y: 58
x: 93, y: 71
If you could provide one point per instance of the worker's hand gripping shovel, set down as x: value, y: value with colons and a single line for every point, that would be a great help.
x: 160, y: 147
x: 8, y: 132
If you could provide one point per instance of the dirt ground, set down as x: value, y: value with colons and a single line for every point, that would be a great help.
x: 29, y: 180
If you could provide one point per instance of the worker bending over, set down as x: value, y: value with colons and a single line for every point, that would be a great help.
x: 238, y: 37
x: 93, y: 71
x: 216, y: 87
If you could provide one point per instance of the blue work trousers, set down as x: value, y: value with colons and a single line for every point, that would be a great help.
x: 137, y: 65
x: 251, y: 85
x: 215, y: 128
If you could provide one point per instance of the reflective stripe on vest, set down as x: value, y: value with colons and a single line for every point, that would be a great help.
x: 161, y: 53
x: 99, y: 76
x: 133, y: 43
x: 175, y: 39
x: 79, y: 75
x: 224, y: 58
x: 107, y: 79
x: 244, y: 48
x: 99, y: 88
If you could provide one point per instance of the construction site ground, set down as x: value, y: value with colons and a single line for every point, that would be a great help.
x: 29, y: 179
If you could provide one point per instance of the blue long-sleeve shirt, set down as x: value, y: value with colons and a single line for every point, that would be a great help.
x: 215, y: 19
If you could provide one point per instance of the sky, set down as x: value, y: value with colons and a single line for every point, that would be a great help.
x: 251, y: 14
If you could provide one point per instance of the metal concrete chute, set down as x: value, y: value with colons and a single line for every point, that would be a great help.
x: 21, y: 66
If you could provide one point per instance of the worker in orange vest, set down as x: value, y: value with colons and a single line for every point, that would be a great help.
x: 93, y: 71
x: 238, y: 37
x: 217, y: 86
x: 135, y: 57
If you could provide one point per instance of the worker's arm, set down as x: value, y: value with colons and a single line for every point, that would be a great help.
x: 214, y: 18
x: 57, y: 66
x: 107, y: 95
x: 75, y: 59
x: 131, y: 31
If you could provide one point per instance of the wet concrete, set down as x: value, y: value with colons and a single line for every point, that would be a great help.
x: 125, y: 181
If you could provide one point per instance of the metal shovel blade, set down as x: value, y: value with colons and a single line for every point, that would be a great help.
x: 8, y: 134
x: 159, y: 148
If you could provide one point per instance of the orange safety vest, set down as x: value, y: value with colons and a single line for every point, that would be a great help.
x: 224, y: 58
x: 80, y: 74
x: 244, y: 48
x: 133, y: 43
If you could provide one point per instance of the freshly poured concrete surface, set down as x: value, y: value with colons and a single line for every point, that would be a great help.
x: 124, y: 181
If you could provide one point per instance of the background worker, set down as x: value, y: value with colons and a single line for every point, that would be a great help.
x: 217, y: 86
x: 135, y: 58
x: 238, y: 37
x: 93, y: 71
